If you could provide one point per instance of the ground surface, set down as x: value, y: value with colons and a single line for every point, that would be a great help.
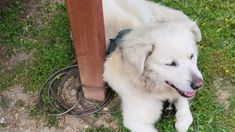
x: 35, y: 41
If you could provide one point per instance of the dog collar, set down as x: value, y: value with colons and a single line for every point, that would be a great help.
x: 115, y: 42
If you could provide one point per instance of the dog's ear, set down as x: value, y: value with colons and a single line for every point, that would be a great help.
x: 137, y: 55
x: 196, y: 32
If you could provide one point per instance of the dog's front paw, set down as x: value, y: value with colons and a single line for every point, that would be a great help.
x: 183, y: 122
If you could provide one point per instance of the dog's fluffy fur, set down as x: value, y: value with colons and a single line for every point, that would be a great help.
x: 160, y: 48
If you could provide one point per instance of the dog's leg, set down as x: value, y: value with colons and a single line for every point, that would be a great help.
x: 142, y: 116
x: 183, y: 115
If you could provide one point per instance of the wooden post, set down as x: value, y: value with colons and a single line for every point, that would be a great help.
x: 87, y: 25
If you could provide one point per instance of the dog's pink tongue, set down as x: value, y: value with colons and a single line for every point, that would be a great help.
x: 190, y: 94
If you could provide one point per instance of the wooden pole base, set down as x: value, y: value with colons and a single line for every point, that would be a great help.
x: 87, y: 25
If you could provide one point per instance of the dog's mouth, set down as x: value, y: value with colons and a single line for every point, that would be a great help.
x: 182, y: 93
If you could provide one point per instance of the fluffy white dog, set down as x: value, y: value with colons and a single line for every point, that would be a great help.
x: 154, y: 61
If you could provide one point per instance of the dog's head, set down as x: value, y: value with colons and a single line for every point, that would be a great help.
x: 169, y: 51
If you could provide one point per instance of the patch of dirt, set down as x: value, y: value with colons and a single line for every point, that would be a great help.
x: 5, y: 3
x: 4, y: 55
x: 32, y: 9
x: 19, y: 57
x: 15, y: 116
x: 7, y: 64
x: 9, y: 57
x: 223, y: 92
x: 103, y: 119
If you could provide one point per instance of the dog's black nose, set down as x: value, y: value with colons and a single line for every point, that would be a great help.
x: 196, y: 83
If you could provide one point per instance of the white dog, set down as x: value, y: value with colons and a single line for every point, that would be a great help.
x: 155, y: 60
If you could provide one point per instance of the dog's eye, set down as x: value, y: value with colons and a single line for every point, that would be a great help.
x: 191, y: 56
x: 173, y: 63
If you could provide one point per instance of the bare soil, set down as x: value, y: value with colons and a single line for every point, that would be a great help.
x: 14, y: 115
x: 223, y: 92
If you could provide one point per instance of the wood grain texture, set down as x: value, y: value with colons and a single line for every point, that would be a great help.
x: 87, y: 26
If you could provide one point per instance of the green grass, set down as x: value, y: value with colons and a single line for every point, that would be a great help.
x: 50, y: 44
x: 52, y: 49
